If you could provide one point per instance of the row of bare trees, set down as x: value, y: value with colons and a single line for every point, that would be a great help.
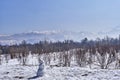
x: 101, y: 52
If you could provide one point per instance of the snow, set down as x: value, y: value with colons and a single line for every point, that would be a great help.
x: 14, y: 71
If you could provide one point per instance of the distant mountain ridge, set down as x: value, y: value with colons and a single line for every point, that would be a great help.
x: 36, y: 36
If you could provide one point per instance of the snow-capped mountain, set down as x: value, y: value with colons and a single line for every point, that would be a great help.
x: 114, y: 32
x: 36, y: 36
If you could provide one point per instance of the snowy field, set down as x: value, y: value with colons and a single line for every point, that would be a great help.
x: 13, y: 71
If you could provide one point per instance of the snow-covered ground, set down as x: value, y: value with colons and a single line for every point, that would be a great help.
x: 13, y: 71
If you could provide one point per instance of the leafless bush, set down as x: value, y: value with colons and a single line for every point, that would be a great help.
x: 81, y: 57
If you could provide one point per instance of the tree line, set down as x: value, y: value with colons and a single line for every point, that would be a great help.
x: 101, y: 52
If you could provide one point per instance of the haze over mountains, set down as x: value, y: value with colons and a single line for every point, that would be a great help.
x: 36, y: 36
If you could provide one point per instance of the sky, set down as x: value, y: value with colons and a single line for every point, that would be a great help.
x: 18, y: 16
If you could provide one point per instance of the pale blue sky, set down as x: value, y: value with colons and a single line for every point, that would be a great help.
x: 18, y: 16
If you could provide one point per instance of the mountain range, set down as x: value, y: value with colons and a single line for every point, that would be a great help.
x: 36, y: 36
